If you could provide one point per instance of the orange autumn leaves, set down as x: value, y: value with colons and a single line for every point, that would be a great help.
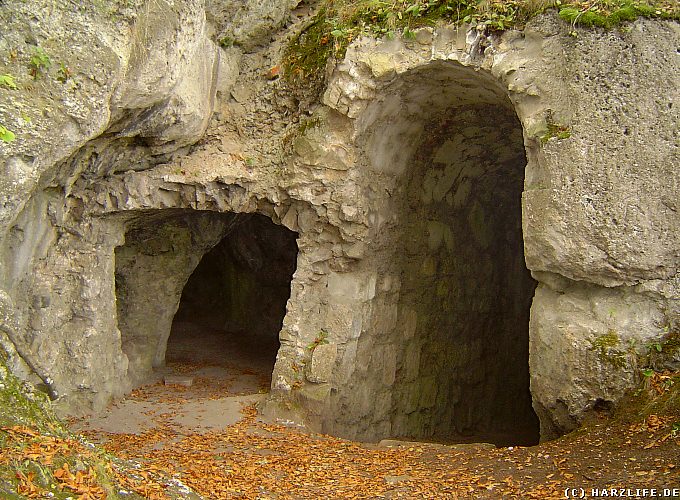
x: 83, y: 483
x: 27, y: 446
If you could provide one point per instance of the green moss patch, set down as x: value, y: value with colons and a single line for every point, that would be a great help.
x: 612, y: 13
x: 339, y: 22
x: 20, y: 405
x: 607, y: 348
x: 556, y: 131
x: 39, y: 458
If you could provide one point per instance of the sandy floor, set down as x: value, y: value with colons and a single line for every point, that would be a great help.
x: 227, y: 372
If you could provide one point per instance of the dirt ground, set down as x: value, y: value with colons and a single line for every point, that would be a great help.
x: 211, y: 438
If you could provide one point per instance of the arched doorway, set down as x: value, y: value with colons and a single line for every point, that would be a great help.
x: 219, y: 282
x: 450, y: 136
x: 233, y: 304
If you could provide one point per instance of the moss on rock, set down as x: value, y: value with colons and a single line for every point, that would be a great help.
x: 39, y: 457
x: 338, y: 22
x: 22, y: 405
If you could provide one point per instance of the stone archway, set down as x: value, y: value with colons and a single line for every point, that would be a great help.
x: 228, y: 272
x: 234, y: 302
x: 449, y: 137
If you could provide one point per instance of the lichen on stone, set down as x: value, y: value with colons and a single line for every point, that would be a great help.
x: 607, y: 347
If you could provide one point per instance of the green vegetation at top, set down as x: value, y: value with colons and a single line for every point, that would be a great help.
x: 338, y: 22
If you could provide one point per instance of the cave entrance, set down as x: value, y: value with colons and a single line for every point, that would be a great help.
x: 203, y: 288
x: 457, y: 147
x: 233, y: 304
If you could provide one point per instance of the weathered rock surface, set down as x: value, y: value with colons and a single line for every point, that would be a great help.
x: 419, y: 187
x: 250, y: 23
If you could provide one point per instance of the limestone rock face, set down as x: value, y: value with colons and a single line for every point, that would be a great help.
x: 250, y: 23
x: 140, y: 79
x: 567, y: 239
x: 166, y: 95
x: 586, y: 343
x: 608, y: 220
x: 486, y: 224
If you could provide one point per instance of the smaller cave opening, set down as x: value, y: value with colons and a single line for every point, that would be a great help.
x: 203, y: 295
x: 232, y: 307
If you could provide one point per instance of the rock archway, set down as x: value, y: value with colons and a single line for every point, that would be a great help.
x: 451, y: 140
x: 202, y: 276
x: 408, y: 309
x: 234, y: 302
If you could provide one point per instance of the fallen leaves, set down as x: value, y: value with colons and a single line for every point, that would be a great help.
x: 26, y: 485
x: 42, y: 448
x: 83, y: 482
x: 142, y: 482
x: 251, y: 460
x: 26, y: 448
x: 257, y: 458
x: 660, y: 382
x: 652, y: 423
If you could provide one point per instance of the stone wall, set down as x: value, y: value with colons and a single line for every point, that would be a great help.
x: 403, y: 185
x: 382, y: 87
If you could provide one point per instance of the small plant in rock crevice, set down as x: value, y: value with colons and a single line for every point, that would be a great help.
x: 226, y: 41
x: 308, y: 124
x: 7, y: 81
x: 664, y: 352
x: 556, y: 131
x: 64, y: 73
x: 6, y: 135
x: 320, y: 339
x: 299, y: 370
x: 39, y: 63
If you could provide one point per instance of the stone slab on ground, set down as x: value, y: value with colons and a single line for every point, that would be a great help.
x: 196, y: 416
x: 182, y: 380
x: 211, y: 415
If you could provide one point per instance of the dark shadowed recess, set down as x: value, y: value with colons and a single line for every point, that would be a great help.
x: 233, y: 305
x: 467, y: 281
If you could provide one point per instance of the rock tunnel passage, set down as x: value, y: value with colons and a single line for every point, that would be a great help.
x: 233, y: 305
x: 203, y: 289
x: 463, y: 362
